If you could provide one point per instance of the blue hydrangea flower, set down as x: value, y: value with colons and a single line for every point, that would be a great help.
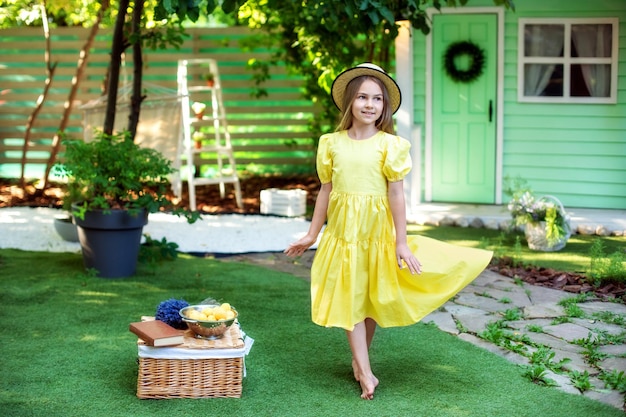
x: 168, y: 310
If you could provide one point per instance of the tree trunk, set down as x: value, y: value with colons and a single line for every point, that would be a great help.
x: 50, y: 68
x: 80, y: 69
x: 136, y: 98
x: 117, y: 48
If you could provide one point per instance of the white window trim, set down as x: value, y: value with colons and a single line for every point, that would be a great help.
x: 567, y: 61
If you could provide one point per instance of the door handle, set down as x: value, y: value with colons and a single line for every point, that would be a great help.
x: 490, y: 110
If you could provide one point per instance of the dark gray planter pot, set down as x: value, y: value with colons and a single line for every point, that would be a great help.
x: 110, y: 241
x: 66, y: 228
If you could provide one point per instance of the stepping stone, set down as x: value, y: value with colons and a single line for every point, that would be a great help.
x: 476, y: 323
x: 541, y: 311
x: 613, y: 350
x: 619, y: 364
x: 543, y: 295
x: 599, y: 326
x: 460, y: 310
x: 517, y: 296
x: 568, y: 331
x: 443, y: 320
x: 552, y: 342
x: 481, y: 303
x: 601, y: 307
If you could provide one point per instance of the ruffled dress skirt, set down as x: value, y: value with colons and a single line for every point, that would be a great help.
x: 355, y: 274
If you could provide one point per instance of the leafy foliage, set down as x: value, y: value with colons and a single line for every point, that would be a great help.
x: 153, y: 251
x: 580, y: 380
x: 538, y: 375
x: 319, y: 40
x: 604, y: 267
x: 614, y: 380
x: 113, y: 172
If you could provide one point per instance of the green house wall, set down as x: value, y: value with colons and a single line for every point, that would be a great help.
x: 574, y: 151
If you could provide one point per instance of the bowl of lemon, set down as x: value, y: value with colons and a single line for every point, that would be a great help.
x: 209, y: 321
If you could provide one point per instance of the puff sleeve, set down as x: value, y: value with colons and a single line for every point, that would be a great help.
x: 324, y: 162
x: 397, y: 163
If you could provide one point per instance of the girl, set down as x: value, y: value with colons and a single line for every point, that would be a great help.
x: 365, y: 273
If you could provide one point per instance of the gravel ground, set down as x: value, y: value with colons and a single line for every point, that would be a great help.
x: 33, y: 229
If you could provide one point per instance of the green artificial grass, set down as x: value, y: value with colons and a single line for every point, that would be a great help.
x: 575, y: 257
x: 67, y: 351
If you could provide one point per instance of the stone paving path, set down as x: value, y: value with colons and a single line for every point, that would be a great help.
x: 496, y: 311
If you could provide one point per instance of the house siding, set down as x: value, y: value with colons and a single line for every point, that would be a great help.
x: 576, y: 152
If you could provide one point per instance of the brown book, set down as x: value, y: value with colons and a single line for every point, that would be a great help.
x: 157, y: 333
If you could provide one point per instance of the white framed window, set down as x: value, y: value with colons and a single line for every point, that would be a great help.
x: 567, y: 60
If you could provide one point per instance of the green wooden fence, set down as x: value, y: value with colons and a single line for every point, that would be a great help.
x: 269, y: 132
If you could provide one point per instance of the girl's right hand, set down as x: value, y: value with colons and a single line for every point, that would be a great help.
x: 298, y: 247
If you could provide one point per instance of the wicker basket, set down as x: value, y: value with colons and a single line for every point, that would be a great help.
x: 536, y: 232
x: 183, y: 372
x: 189, y: 378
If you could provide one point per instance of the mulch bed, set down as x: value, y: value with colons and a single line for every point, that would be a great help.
x: 551, y: 278
x: 209, y: 201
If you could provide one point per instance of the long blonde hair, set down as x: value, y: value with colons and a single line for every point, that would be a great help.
x: 384, y: 123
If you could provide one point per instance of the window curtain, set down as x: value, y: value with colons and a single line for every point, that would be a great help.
x: 541, y: 41
x: 594, y: 41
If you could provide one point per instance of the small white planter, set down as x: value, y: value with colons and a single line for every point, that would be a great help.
x: 290, y: 203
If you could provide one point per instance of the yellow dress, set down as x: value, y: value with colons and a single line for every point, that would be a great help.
x: 354, y: 273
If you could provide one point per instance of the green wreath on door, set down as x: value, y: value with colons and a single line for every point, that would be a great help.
x: 476, y: 57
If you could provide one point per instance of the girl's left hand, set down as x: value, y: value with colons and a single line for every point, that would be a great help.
x: 403, y: 253
x: 300, y: 246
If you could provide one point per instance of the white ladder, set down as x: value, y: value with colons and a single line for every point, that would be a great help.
x: 192, y: 90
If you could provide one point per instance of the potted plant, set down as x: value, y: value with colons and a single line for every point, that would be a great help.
x: 545, y: 222
x: 113, y: 184
x: 209, y: 78
x: 197, y: 137
x: 198, y: 109
x: 65, y: 227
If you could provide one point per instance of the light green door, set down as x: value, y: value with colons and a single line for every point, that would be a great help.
x: 463, y: 113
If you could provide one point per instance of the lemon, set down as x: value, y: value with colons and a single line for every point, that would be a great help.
x: 195, y: 315
x: 220, y: 313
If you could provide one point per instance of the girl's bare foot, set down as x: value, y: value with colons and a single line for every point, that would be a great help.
x: 368, y: 385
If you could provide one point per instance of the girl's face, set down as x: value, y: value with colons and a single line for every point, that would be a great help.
x: 368, y: 103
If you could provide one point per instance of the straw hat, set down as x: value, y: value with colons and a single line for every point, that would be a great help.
x: 339, y: 85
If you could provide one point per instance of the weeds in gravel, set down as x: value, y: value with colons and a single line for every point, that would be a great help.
x: 590, y: 349
x: 494, y: 332
x: 574, y: 311
x: 497, y: 334
x: 614, y: 380
x: 513, y: 314
x: 560, y: 320
x: 545, y: 356
x: 610, y: 318
x: 580, y: 380
x: 537, y: 374
x: 534, y: 328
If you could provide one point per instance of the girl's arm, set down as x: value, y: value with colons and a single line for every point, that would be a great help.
x: 398, y: 212
x: 317, y: 222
